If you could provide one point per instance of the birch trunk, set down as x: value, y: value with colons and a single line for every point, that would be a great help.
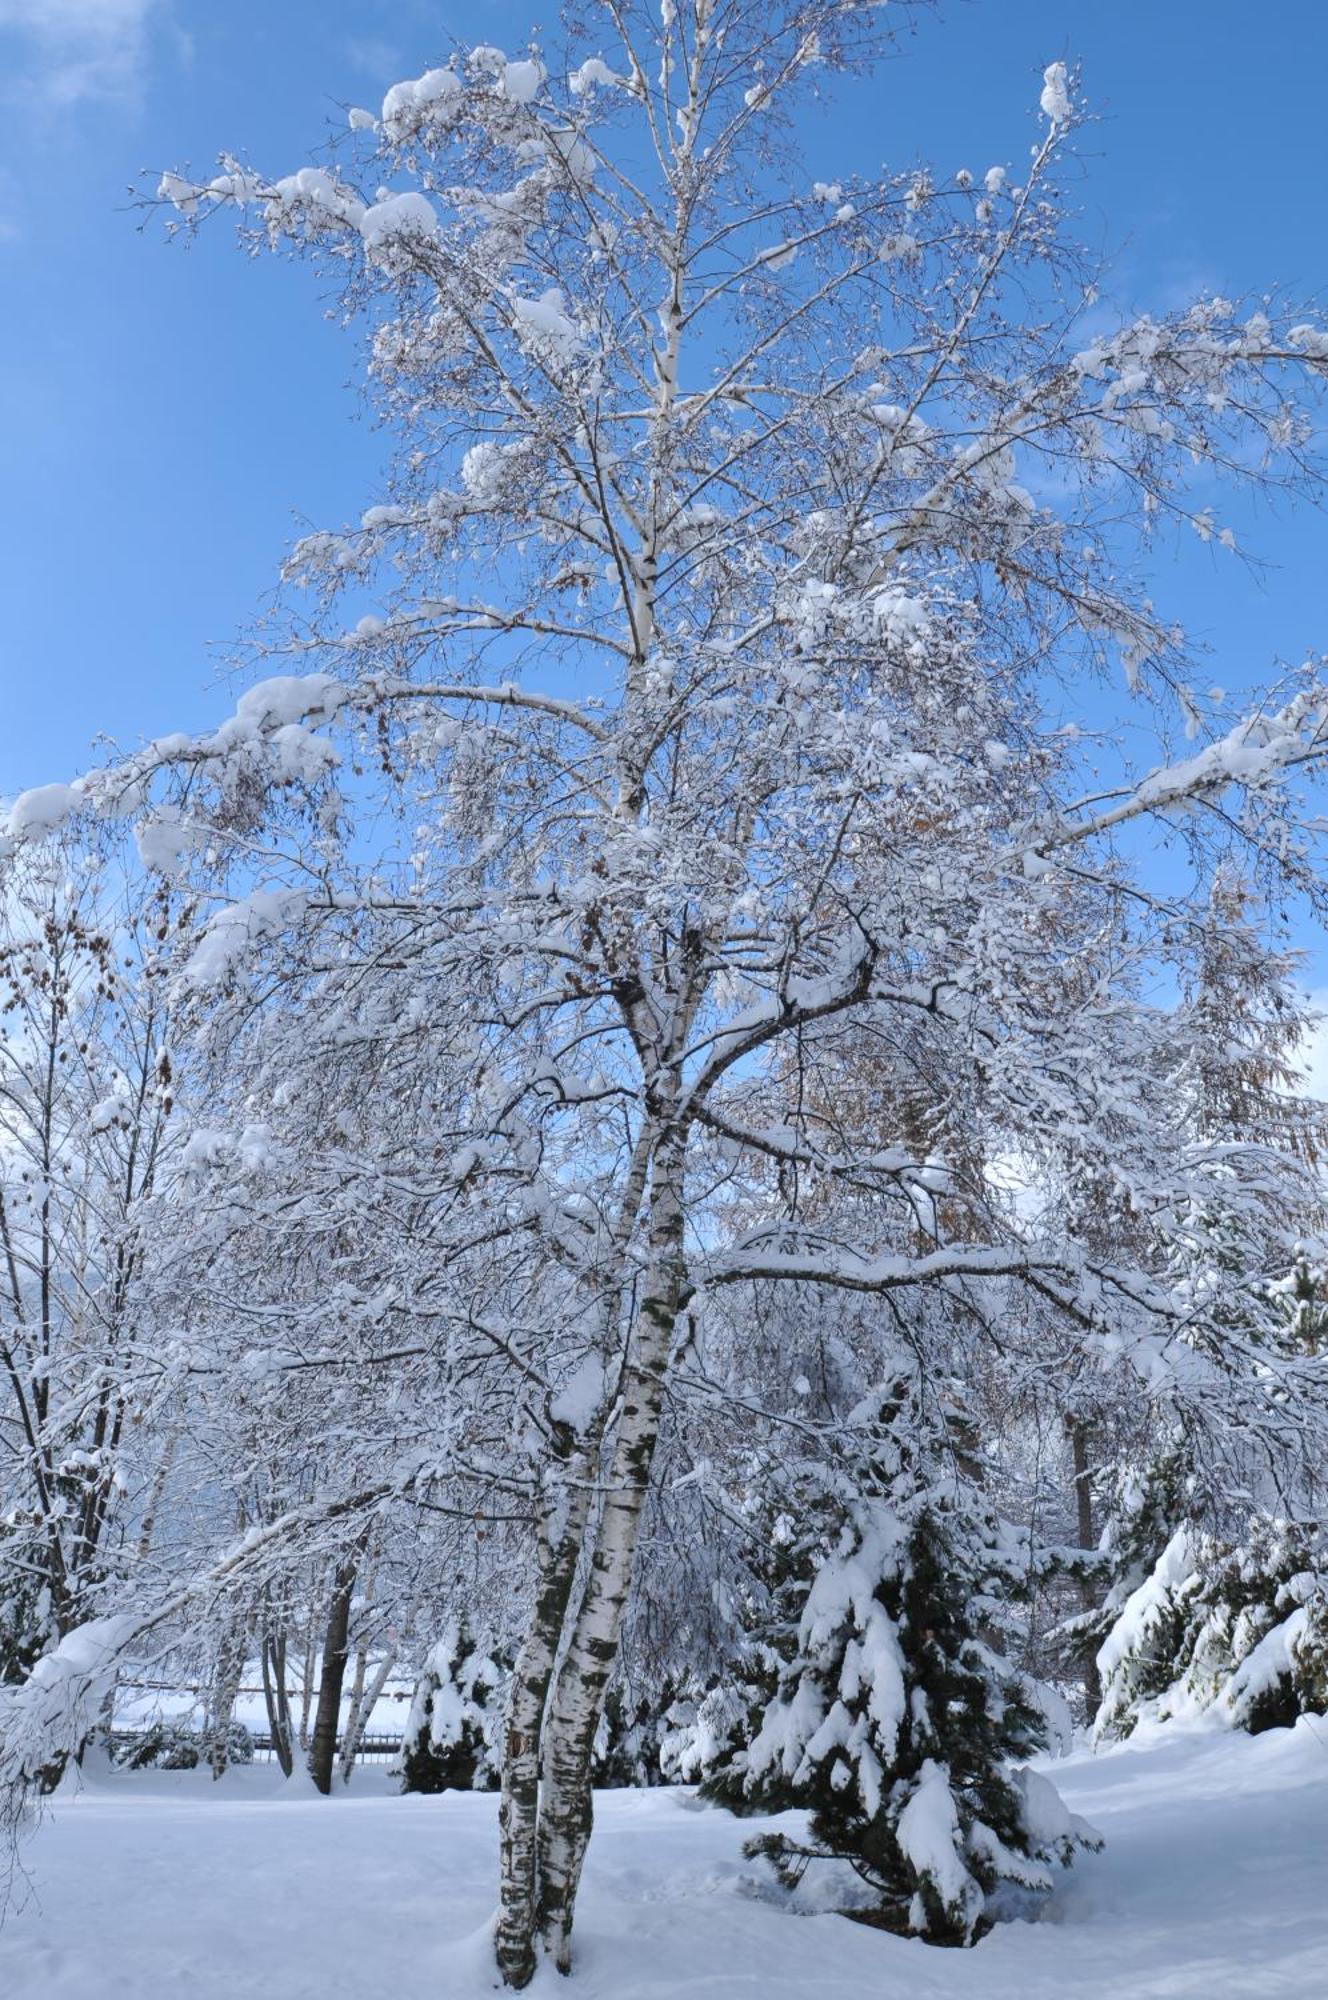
x: 230, y: 1669
x: 355, y: 1706
x: 362, y: 1707
x: 562, y: 1532
x: 564, y: 1508
x: 566, y: 1808
x: 306, y: 1678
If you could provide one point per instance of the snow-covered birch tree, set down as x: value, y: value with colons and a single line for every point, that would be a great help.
x: 756, y: 552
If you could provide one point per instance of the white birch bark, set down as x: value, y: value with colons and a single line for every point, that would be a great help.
x: 578, y: 1697
x: 562, y: 1533
x: 230, y: 1671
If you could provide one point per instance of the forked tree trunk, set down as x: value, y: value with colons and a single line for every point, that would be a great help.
x: 561, y: 1534
x: 566, y: 1806
x: 361, y: 1708
x: 276, y: 1700
x: 356, y: 1703
x: 519, y: 1813
x: 336, y: 1648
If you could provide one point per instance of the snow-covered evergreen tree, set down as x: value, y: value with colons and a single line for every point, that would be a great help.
x: 1236, y: 1632
x: 898, y: 1718
x: 792, y: 1532
x: 1145, y: 1505
x: 707, y: 1723
x: 1216, y: 1610
x: 450, y: 1742
x: 630, y: 1737
x: 1303, y: 1298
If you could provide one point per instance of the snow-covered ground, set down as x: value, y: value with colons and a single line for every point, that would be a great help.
x: 1213, y: 1885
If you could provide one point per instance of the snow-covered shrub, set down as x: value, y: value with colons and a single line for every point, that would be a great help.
x: 1239, y: 1633
x: 451, y: 1738
x: 898, y: 1716
x: 172, y: 1745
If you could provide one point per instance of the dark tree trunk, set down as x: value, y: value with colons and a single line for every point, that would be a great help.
x: 1083, y: 1502
x: 273, y: 1653
x: 336, y: 1651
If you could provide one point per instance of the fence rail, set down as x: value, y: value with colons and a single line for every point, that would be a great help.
x: 189, y: 1687
x: 368, y: 1750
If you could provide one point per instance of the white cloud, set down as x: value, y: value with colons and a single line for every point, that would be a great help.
x: 71, y: 50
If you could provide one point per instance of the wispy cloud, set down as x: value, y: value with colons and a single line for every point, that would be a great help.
x: 378, y: 59
x: 69, y: 51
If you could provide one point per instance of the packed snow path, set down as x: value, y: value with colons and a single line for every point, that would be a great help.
x: 154, y: 1886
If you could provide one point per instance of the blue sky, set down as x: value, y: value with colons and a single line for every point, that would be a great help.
x: 169, y: 414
